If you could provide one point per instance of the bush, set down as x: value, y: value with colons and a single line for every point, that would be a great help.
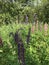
x: 36, y: 52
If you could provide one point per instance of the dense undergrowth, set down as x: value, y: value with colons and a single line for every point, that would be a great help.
x: 36, y: 52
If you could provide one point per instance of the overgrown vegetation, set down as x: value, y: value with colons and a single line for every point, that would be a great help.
x: 20, y: 11
x: 36, y: 52
x: 29, y: 46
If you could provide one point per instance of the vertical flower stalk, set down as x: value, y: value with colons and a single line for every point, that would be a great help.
x: 45, y: 28
x: 41, y: 26
x: 33, y: 28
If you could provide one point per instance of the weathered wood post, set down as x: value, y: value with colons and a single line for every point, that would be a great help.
x: 20, y: 45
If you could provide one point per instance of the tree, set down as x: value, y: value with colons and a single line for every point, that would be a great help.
x: 43, y: 12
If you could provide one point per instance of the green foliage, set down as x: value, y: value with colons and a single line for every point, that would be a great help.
x: 36, y: 53
x: 26, y: 11
x: 43, y: 11
x: 10, y: 11
x: 15, y: 11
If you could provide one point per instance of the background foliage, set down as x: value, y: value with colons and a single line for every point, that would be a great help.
x: 15, y: 10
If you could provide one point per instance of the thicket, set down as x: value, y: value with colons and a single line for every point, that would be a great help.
x: 20, y: 11
x: 36, y: 52
x: 13, y: 12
